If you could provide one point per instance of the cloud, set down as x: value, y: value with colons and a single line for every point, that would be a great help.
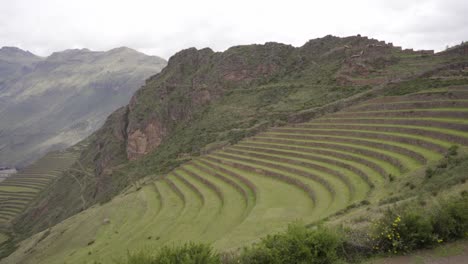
x: 164, y: 27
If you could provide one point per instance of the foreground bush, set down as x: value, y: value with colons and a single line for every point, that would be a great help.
x: 189, y: 253
x: 404, y: 230
x: 450, y: 220
x: 297, y: 245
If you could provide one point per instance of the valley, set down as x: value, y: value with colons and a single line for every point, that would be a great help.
x: 51, y: 103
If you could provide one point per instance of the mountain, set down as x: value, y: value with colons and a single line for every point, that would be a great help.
x: 205, y: 100
x: 15, y: 63
x: 226, y: 147
x: 54, y: 102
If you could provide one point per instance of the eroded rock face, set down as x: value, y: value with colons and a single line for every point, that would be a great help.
x: 193, y: 79
x: 201, y: 97
x: 141, y: 142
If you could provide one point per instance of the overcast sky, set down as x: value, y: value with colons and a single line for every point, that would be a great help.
x: 165, y: 27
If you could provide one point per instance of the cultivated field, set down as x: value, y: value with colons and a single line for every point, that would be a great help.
x: 17, y: 191
x: 235, y: 195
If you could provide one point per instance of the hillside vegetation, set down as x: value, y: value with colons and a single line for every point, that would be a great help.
x: 204, y: 100
x: 227, y: 147
x: 310, y: 171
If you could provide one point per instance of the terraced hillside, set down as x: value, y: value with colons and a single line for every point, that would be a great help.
x: 235, y: 195
x: 204, y: 99
x: 17, y: 191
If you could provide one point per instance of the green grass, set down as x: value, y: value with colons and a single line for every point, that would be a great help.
x: 446, y: 120
x: 320, y: 190
x: 428, y: 154
x: 16, y: 189
x: 423, y: 85
x: 434, y: 90
x: 356, y: 187
x: 406, y: 161
x: 236, y: 195
x: 194, y: 214
x: 249, y: 188
x: 447, y: 109
x: 308, y: 150
x: 435, y: 129
x: 444, y: 144
x: 232, y: 211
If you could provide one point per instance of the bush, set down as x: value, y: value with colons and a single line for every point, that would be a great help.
x: 190, y: 253
x: 402, y: 232
x: 416, y: 231
x: 297, y: 245
x: 443, y: 164
x: 450, y: 221
x: 429, y: 173
x: 453, y: 150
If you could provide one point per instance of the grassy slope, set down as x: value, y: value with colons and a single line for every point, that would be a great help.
x: 165, y: 213
x: 241, y: 112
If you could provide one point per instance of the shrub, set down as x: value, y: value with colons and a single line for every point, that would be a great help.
x: 452, y: 150
x: 402, y: 232
x: 429, y: 173
x: 416, y: 231
x: 443, y: 164
x: 297, y: 245
x: 450, y: 221
x: 190, y: 253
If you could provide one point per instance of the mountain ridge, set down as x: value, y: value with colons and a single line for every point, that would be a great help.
x: 47, y: 89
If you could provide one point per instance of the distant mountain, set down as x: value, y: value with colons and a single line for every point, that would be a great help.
x: 14, y: 63
x: 54, y: 102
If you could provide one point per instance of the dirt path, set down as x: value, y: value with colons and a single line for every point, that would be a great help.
x: 456, y: 253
